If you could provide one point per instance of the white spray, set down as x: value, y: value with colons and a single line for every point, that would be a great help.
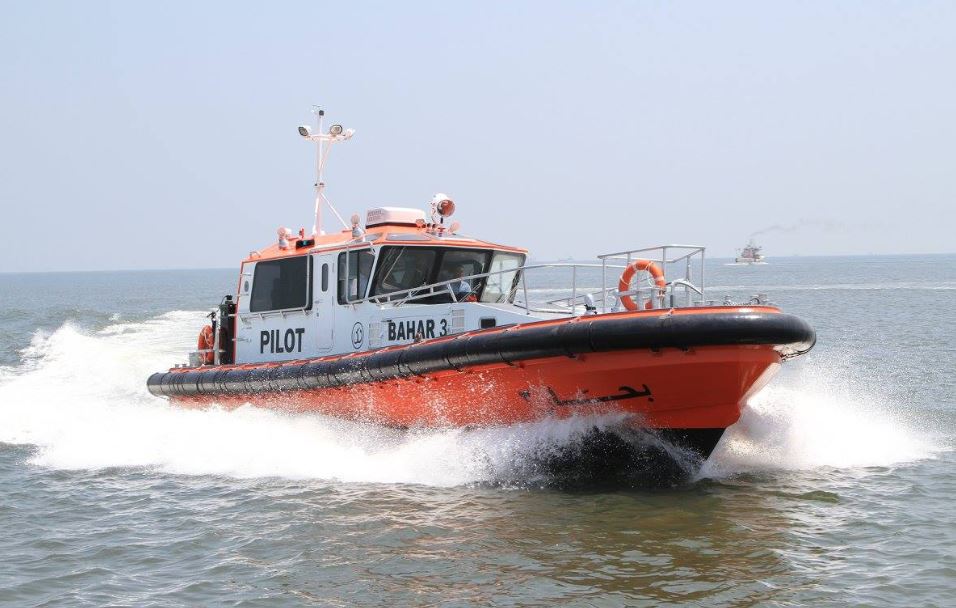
x: 80, y: 399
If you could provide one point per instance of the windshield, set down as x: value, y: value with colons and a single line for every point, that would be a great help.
x: 401, y: 268
x: 500, y: 287
x: 404, y: 268
x: 460, y: 264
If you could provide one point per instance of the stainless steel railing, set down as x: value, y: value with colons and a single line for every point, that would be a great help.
x: 683, y: 267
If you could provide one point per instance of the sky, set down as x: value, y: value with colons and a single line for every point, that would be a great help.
x: 144, y: 135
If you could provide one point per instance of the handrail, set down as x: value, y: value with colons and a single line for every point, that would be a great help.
x: 571, y: 304
x: 433, y: 288
x: 684, y: 253
x: 695, y: 249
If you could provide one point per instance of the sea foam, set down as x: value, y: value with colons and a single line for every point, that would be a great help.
x: 79, y: 397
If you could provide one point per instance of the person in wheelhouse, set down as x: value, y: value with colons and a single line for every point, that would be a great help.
x: 400, y: 270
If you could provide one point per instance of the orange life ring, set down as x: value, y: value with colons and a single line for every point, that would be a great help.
x: 207, y: 342
x: 625, y: 283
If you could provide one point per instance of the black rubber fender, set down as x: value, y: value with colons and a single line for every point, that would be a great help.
x: 790, y: 336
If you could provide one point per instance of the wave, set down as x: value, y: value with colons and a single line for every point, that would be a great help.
x: 79, y: 398
x: 822, y: 416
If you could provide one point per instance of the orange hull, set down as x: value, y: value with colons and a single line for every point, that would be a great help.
x: 694, y: 388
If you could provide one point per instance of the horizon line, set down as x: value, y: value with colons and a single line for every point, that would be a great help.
x: 530, y: 260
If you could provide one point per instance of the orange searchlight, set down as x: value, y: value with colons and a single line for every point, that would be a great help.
x: 446, y: 207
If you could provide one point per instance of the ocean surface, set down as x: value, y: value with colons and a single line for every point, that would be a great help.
x: 837, y: 486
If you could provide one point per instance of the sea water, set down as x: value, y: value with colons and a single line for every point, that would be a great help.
x: 836, y: 487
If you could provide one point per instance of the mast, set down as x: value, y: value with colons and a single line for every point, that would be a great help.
x: 319, y: 186
x: 323, y: 143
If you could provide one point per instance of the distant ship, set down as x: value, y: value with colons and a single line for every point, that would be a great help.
x: 750, y: 254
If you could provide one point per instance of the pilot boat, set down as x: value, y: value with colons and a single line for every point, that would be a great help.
x: 403, y: 320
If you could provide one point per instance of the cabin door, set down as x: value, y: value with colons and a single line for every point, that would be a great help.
x: 323, y: 306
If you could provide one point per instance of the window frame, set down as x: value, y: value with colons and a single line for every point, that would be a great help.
x: 307, y: 305
x: 513, y: 290
x: 342, y: 275
x: 384, y: 251
x: 435, y: 269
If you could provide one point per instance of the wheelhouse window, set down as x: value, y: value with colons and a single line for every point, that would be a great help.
x: 459, y: 264
x: 355, y: 268
x: 501, y: 287
x: 405, y: 268
x: 281, y: 284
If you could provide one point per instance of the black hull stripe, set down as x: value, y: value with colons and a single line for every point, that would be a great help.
x: 789, y: 335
